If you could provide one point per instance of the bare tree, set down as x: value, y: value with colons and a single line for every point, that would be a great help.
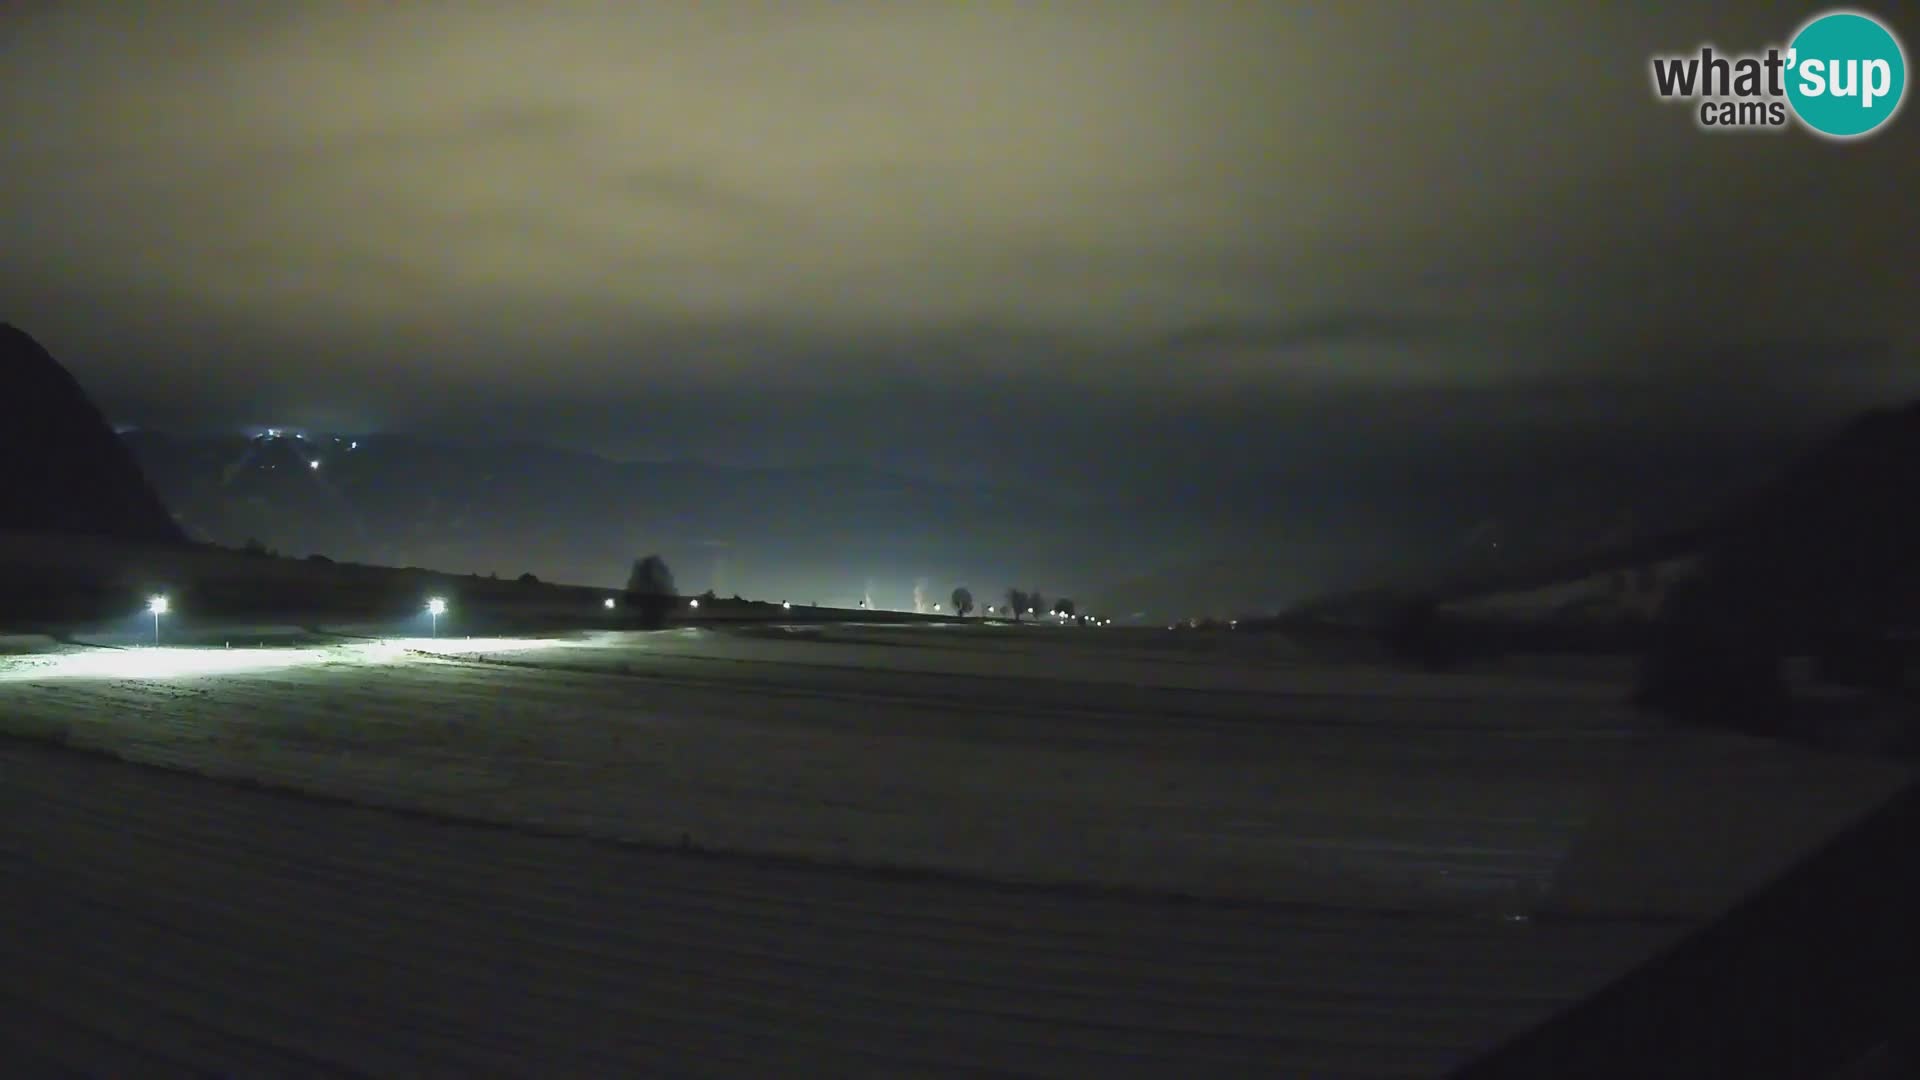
x: 1017, y: 601
x: 1063, y: 607
x: 1036, y: 602
x: 963, y: 601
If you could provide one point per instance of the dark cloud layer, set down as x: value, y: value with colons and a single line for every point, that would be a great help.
x: 868, y: 228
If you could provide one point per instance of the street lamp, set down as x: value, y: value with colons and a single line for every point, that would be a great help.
x: 693, y: 603
x: 157, y: 605
x: 436, y: 607
x: 608, y: 602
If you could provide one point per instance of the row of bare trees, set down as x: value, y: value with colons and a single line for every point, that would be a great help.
x: 650, y: 592
x: 1020, y: 602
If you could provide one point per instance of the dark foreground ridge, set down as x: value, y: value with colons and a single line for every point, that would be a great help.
x: 1816, y: 972
x: 66, y: 471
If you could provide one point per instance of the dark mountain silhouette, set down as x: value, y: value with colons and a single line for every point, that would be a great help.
x: 1823, y: 562
x: 66, y: 471
x: 802, y: 532
x: 1834, y: 545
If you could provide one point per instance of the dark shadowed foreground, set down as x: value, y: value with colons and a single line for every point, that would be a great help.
x: 162, y: 924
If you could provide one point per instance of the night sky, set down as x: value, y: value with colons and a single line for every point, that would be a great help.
x: 1100, y: 239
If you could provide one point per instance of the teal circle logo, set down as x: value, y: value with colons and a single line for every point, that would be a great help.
x: 1846, y: 74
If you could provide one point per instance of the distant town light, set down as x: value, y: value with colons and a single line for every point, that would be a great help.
x: 787, y: 604
x: 693, y: 603
x: 608, y: 602
x: 936, y: 607
x: 353, y: 446
x: 313, y: 464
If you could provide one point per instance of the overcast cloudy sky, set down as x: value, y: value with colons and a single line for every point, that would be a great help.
x: 899, y: 229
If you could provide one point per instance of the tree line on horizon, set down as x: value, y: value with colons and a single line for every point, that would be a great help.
x: 651, y: 594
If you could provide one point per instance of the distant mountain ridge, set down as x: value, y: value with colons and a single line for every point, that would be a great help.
x: 1830, y: 544
x: 1835, y: 540
x: 802, y: 533
x: 66, y: 470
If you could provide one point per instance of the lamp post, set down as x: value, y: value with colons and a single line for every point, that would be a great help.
x: 436, y: 607
x: 158, y: 606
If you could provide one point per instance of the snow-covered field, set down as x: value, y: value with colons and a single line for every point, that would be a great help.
x: 1411, y: 846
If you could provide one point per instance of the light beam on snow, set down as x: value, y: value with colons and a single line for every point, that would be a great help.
x: 174, y: 663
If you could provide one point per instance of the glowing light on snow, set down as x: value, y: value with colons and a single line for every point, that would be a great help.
x: 398, y: 648
x: 180, y: 662
x: 153, y: 663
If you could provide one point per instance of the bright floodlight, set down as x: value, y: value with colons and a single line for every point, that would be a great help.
x: 608, y: 603
x: 693, y: 603
x: 436, y: 606
x: 313, y: 464
x: 157, y: 605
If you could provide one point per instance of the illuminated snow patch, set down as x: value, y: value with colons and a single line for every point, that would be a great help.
x: 456, y: 646
x: 173, y: 663
x: 154, y: 663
